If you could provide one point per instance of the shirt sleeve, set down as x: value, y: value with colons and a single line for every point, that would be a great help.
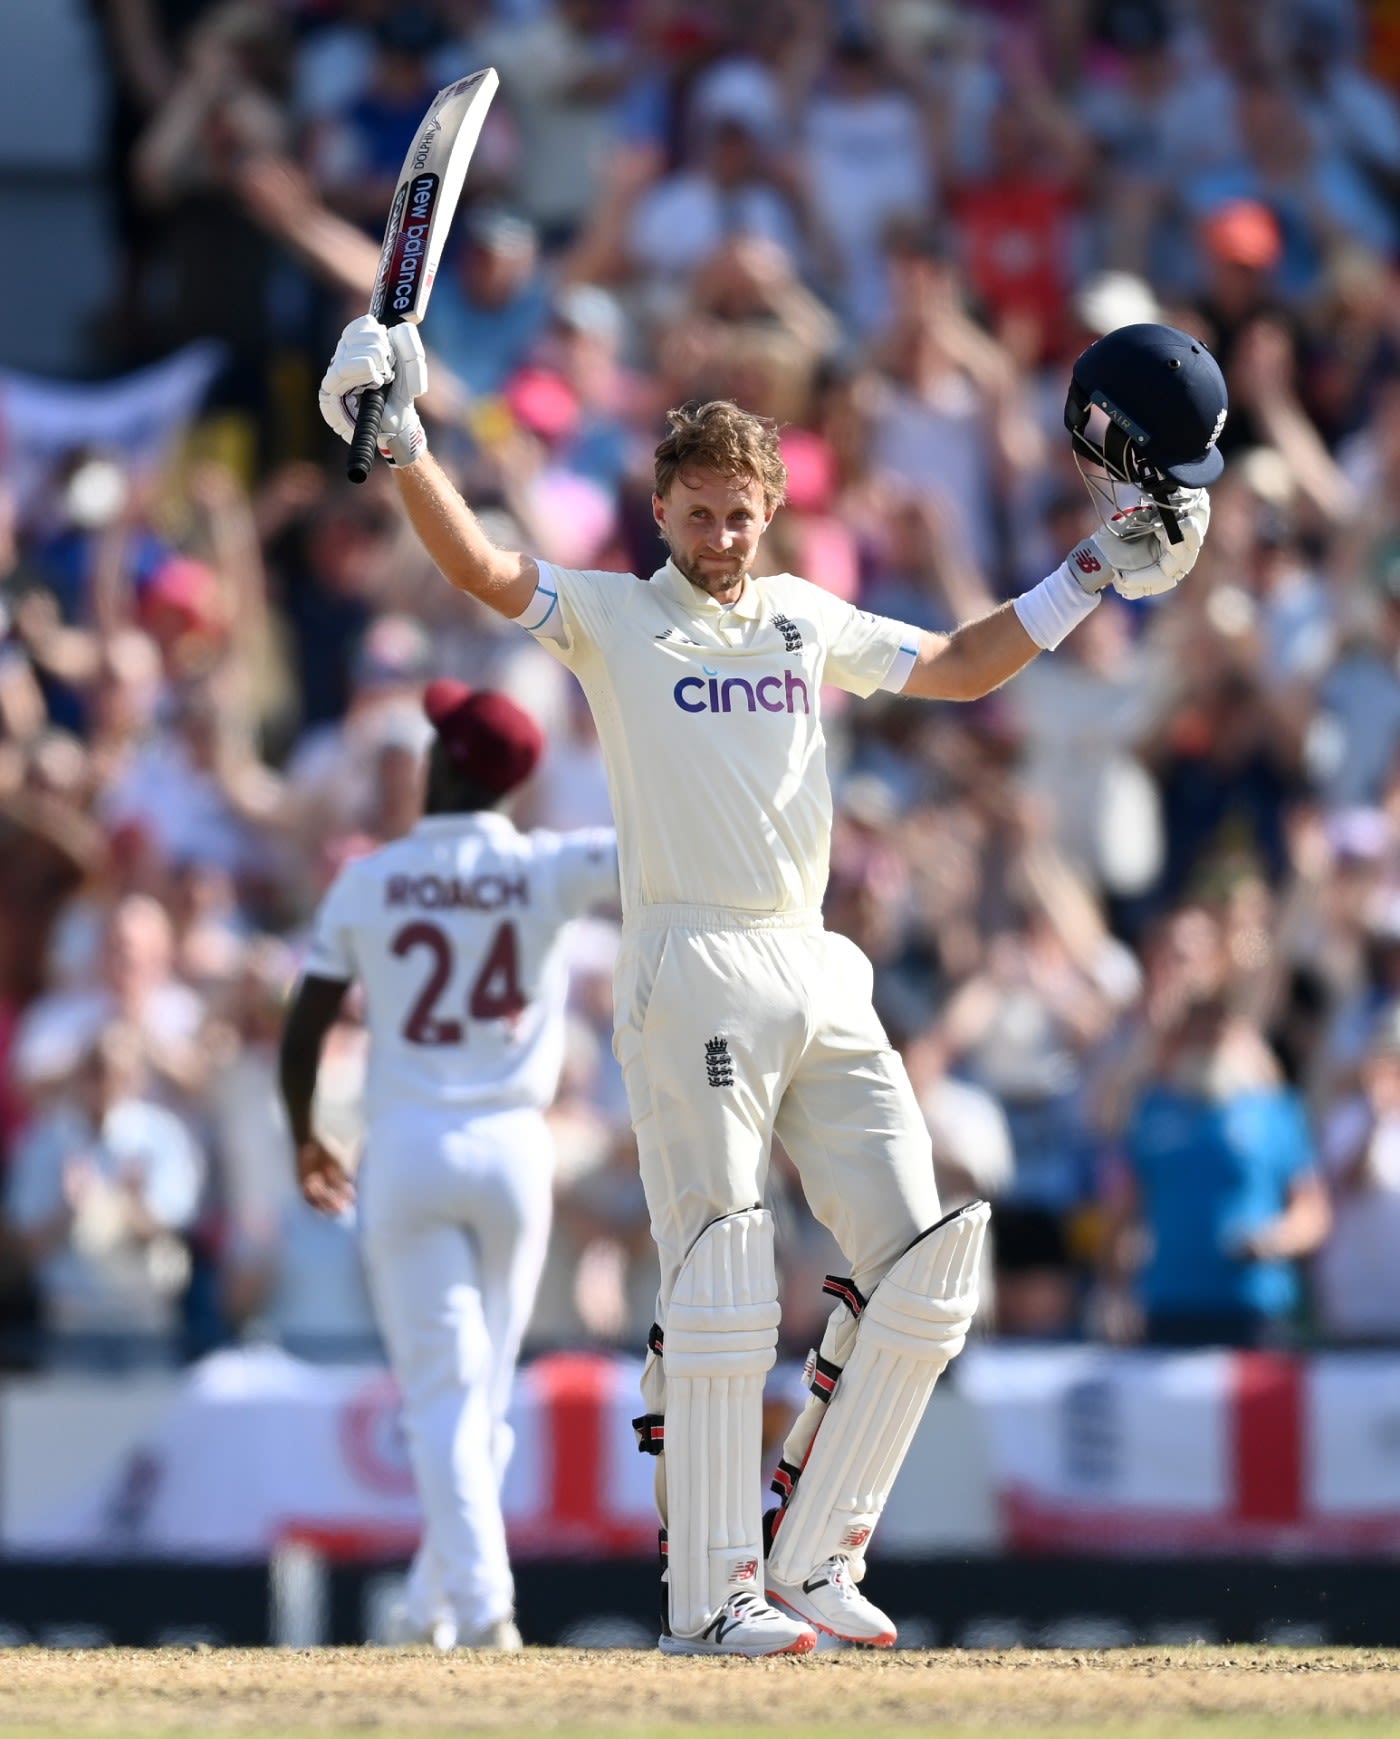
x: 586, y: 866
x: 332, y: 950
x: 572, y: 609
x: 865, y: 652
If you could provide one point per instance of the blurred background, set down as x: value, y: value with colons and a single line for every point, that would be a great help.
x: 1135, y: 919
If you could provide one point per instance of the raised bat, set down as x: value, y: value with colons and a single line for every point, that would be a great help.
x: 430, y: 183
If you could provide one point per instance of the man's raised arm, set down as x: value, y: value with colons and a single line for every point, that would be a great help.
x: 1132, y: 554
x: 371, y: 355
x: 452, y: 535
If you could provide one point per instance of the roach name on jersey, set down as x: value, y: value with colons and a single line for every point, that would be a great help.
x: 433, y: 893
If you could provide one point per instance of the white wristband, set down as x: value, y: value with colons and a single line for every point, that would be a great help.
x: 1050, y: 610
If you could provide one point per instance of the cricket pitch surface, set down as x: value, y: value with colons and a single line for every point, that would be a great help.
x: 1204, y: 1692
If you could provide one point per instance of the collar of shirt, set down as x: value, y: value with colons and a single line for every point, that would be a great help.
x: 748, y: 608
x: 483, y: 820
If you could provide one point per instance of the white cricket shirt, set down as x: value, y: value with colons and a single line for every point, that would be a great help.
x: 453, y: 931
x: 710, y: 725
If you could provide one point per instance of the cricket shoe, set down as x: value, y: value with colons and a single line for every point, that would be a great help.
x: 829, y: 1601
x: 746, y: 1625
x: 503, y: 1636
x: 405, y: 1629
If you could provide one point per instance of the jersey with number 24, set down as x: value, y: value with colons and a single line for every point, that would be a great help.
x: 454, y: 933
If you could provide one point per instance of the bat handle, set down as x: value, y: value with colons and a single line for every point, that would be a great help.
x: 365, y: 445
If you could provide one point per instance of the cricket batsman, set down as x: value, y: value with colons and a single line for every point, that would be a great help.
x: 738, y: 1016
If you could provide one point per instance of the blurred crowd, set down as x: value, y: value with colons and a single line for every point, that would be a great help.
x: 1135, y: 919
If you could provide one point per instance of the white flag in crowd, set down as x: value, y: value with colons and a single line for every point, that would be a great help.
x: 137, y: 416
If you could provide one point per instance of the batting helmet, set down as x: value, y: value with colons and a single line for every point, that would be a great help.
x: 1163, y: 400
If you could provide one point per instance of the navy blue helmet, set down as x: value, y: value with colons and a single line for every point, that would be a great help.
x: 1163, y: 401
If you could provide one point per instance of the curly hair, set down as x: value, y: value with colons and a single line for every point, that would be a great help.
x: 720, y: 437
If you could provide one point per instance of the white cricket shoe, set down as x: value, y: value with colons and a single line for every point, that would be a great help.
x: 746, y: 1625
x: 404, y: 1629
x: 503, y: 1636
x: 829, y: 1601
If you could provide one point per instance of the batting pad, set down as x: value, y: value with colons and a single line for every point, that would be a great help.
x: 721, y: 1338
x: 915, y: 1322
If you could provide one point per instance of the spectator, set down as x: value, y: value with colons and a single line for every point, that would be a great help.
x: 1082, y: 720
x: 1316, y: 195
x: 973, y: 1158
x: 1019, y: 1029
x: 1355, y: 1274
x: 867, y: 162
x: 104, y: 1184
x: 176, y: 787
x: 359, y: 151
x: 683, y: 219
x: 492, y: 303
x: 136, y: 984
x: 1019, y: 219
x: 224, y: 108
x: 332, y: 773
x: 1219, y: 1175
x: 562, y: 73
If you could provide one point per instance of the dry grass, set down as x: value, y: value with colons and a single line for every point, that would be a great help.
x: 1148, y: 1693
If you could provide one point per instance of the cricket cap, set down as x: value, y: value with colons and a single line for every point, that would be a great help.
x: 484, y: 734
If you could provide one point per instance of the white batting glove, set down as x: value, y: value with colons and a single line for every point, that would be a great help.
x: 370, y: 354
x: 1132, y: 553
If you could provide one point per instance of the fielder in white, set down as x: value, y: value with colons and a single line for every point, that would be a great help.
x: 453, y: 932
x: 738, y: 1016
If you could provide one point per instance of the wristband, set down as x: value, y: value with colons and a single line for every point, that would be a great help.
x: 1050, y: 610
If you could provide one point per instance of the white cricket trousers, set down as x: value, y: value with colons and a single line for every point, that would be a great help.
x: 731, y: 1029
x: 455, y: 1219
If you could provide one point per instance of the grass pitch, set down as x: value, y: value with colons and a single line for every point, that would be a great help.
x: 1177, y: 1693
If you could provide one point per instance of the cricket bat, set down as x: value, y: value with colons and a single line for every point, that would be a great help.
x: 430, y: 183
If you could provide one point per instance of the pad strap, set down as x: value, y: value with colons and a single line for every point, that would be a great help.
x: 843, y: 1287
x: 651, y: 1433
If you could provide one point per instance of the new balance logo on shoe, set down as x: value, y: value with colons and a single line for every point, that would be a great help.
x: 719, y: 1626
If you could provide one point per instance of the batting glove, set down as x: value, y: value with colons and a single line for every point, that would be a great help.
x: 370, y: 354
x: 1132, y: 552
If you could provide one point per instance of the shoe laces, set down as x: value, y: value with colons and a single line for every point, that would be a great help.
x: 749, y: 1605
x: 838, y: 1569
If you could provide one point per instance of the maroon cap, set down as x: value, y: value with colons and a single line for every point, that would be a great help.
x: 485, y: 734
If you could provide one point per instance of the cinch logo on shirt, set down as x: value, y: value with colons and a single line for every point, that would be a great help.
x: 773, y: 694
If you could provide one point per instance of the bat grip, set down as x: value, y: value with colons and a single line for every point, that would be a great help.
x: 365, y: 445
